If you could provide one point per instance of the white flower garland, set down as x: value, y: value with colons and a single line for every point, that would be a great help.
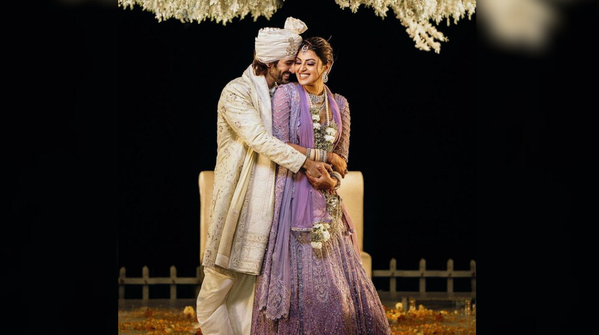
x: 415, y: 15
x: 319, y: 234
x: 324, y: 135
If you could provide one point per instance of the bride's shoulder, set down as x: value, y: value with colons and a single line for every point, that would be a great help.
x: 289, y: 88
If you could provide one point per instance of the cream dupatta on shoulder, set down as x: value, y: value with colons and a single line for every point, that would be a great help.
x: 248, y: 221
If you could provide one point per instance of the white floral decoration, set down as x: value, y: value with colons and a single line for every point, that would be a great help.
x: 418, y: 16
x: 220, y: 11
x: 324, y: 134
x: 330, y: 133
x: 315, y: 121
x: 319, y: 234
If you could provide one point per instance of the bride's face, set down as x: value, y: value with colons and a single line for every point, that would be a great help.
x: 309, y: 68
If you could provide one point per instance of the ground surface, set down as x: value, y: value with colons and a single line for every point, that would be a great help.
x: 177, y: 317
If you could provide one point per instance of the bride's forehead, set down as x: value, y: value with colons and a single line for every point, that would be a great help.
x: 307, y: 55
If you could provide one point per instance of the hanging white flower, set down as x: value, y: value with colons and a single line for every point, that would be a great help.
x: 330, y: 133
x: 315, y: 121
x: 420, y: 17
x: 319, y: 234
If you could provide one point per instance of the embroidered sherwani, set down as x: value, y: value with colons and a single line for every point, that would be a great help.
x: 241, y: 211
x: 244, y: 137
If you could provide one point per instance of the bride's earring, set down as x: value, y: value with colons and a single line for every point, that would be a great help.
x: 325, y: 76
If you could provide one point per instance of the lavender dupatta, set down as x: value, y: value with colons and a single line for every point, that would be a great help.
x: 292, y: 122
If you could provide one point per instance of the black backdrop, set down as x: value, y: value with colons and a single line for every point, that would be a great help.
x: 412, y: 131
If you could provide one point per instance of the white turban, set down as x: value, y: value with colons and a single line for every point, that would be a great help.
x: 273, y: 44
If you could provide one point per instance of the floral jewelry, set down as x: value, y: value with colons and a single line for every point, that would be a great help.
x: 324, y: 134
x: 319, y: 234
x: 321, y: 230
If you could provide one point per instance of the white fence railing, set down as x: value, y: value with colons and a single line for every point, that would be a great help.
x: 392, y: 273
x: 145, y: 280
x: 407, y: 297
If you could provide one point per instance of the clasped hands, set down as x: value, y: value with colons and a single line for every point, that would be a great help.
x: 320, y: 177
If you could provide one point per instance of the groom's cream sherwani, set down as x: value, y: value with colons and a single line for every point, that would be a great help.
x: 244, y: 176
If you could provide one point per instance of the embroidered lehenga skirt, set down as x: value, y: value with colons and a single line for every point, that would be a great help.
x: 330, y: 290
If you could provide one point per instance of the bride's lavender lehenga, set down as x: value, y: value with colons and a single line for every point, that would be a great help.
x: 305, y: 290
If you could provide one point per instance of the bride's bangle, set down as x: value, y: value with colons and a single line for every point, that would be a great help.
x: 337, y: 176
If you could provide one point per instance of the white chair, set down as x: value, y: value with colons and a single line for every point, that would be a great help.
x: 351, y: 191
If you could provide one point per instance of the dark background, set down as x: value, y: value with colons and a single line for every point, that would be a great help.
x: 413, y: 132
x: 474, y: 153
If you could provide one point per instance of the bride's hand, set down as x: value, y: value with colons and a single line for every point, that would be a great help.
x: 338, y: 163
x: 325, y: 181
